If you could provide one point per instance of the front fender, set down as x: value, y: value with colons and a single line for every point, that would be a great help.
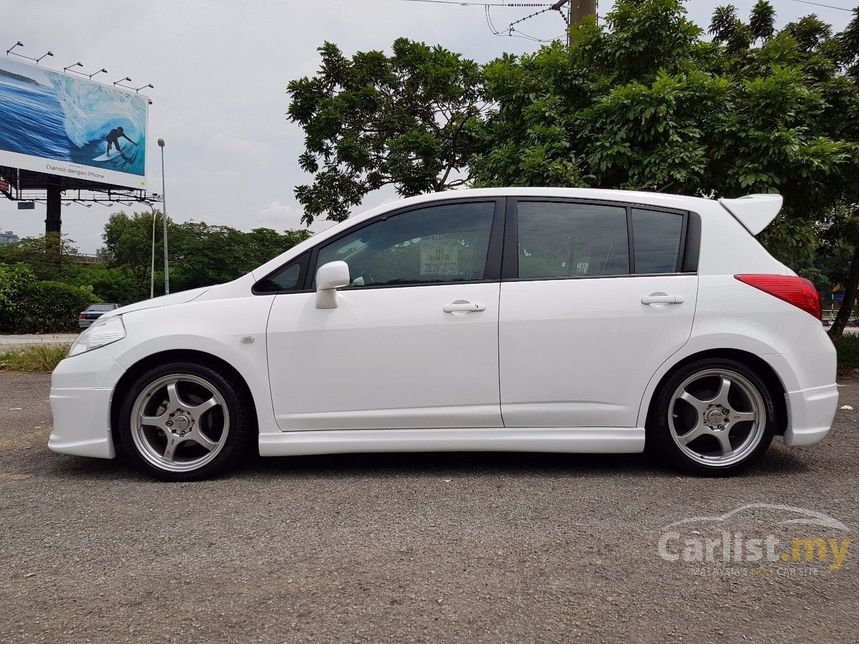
x: 238, y: 338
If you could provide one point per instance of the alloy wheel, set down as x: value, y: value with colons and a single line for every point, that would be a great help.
x: 717, y: 417
x: 179, y: 422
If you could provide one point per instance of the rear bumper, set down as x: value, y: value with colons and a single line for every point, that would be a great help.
x: 810, y: 414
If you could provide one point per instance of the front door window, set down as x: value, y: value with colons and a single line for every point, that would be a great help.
x: 439, y: 244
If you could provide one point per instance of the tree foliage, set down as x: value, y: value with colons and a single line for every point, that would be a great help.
x: 410, y: 120
x: 200, y: 254
x: 48, y: 257
x: 699, y: 118
x: 43, y: 285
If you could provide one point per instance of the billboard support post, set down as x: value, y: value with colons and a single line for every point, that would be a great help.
x: 53, y: 221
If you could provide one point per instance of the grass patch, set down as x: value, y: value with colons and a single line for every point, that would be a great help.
x: 35, y: 358
x: 846, y: 351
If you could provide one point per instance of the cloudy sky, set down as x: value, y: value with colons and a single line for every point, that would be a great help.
x: 220, y: 70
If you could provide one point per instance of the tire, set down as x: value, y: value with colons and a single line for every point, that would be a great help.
x: 184, y: 421
x: 712, y: 416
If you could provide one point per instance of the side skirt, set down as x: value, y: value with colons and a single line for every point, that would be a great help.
x: 326, y: 442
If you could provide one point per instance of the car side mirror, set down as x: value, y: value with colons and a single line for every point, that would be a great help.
x: 330, y: 277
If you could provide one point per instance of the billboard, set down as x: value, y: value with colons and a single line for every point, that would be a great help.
x: 74, y: 127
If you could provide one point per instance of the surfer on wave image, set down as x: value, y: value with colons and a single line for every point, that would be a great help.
x: 113, y: 138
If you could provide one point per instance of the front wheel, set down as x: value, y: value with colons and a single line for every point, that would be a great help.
x: 183, y: 421
x: 713, y: 416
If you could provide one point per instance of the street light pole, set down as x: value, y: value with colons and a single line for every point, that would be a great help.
x: 152, y: 261
x: 164, y: 215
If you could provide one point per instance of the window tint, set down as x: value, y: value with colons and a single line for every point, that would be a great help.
x: 656, y: 241
x: 446, y: 243
x: 560, y: 240
x: 287, y: 278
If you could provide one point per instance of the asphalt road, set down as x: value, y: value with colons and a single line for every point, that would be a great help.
x: 438, y: 547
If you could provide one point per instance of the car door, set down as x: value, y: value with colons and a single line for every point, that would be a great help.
x: 594, y: 297
x: 413, y: 341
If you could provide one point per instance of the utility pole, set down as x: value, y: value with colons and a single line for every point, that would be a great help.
x: 577, y: 11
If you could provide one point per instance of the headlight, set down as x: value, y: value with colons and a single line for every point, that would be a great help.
x: 103, y: 331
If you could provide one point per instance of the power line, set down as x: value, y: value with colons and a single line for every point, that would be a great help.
x: 512, y: 31
x: 828, y: 6
x: 529, y: 17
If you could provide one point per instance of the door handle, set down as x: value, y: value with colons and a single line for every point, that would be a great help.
x: 661, y: 299
x: 462, y: 306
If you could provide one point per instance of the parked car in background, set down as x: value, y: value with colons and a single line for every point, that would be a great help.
x: 94, y: 312
x: 513, y: 319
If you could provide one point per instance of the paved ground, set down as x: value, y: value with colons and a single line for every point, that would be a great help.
x: 407, y: 547
x: 10, y: 341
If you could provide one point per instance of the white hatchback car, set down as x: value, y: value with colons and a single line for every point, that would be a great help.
x: 521, y: 319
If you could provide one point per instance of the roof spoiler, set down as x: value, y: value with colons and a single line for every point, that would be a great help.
x: 755, y: 212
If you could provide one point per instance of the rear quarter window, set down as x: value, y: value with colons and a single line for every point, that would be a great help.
x: 657, y: 241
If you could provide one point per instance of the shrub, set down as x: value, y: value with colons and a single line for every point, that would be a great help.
x: 846, y: 351
x: 30, y: 306
x: 16, y: 281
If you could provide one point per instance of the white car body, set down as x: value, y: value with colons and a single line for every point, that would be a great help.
x: 554, y: 365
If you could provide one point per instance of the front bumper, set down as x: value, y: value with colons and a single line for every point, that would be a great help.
x: 81, y: 422
x: 810, y: 414
x: 81, y: 390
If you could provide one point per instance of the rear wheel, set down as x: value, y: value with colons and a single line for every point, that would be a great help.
x: 183, y: 421
x: 713, y: 416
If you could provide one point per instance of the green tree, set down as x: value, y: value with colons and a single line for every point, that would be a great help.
x: 761, y: 20
x: 410, y: 120
x: 128, y: 245
x: 111, y: 284
x: 200, y: 255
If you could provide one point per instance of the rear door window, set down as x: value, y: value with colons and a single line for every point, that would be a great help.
x: 565, y: 240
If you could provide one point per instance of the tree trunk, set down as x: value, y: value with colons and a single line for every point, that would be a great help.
x: 847, y: 302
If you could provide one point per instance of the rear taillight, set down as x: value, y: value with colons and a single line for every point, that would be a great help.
x: 797, y: 291
x: 81, y: 316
